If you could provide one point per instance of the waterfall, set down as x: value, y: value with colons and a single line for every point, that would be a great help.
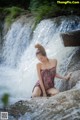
x: 16, y: 41
x: 18, y: 67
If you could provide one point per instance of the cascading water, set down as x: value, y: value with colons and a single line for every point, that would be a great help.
x: 18, y: 67
x: 17, y: 40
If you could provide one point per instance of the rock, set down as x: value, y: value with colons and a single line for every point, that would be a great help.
x: 74, y: 80
x: 75, y: 61
x: 73, y: 65
x: 71, y: 38
x: 63, y: 106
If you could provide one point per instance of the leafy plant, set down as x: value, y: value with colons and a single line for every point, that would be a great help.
x: 45, y: 11
x: 34, y: 4
x: 5, y: 99
x: 12, y: 13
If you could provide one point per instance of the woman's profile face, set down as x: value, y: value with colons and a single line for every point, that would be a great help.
x: 41, y: 58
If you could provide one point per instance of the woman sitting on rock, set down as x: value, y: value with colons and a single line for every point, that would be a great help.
x: 46, y: 70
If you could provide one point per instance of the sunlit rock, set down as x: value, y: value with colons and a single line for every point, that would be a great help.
x: 63, y: 106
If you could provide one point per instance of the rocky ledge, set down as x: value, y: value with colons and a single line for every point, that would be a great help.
x: 63, y: 106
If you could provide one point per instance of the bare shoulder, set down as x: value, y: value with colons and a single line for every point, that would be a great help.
x: 54, y: 61
x: 38, y: 65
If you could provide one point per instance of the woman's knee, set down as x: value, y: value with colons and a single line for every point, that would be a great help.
x: 34, y: 95
x: 56, y: 92
x: 53, y: 92
x: 36, y: 92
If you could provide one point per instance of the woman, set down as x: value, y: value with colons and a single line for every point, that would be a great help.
x: 46, y: 70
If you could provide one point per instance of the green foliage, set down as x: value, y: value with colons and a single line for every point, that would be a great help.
x: 13, y: 11
x: 41, y: 12
x: 5, y: 99
x: 41, y: 9
x: 11, y: 14
x: 45, y: 11
x: 34, y: 4
x: 1, y: 10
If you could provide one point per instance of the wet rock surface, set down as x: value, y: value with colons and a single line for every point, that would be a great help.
x: 74, y: 81
x: 75, y: 61
x: 63, y: 106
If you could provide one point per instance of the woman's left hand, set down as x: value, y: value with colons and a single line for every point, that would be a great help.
x: 67, y: 77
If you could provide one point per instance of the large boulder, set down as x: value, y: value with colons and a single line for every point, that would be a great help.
x: 74, y: 67
x: 63, y: 106
x: 73, y: 82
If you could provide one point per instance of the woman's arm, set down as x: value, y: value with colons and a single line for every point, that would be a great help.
x: 67, y: 77
x: 40, y: 80
x: 61, y: 77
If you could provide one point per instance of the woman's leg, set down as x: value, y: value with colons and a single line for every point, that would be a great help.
x: 52, y: 91
x: 36, y: 92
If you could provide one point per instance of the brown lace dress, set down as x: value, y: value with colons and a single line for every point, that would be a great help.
x: 47, y: 78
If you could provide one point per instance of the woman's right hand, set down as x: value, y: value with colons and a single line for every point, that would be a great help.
x: 67, y: 77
